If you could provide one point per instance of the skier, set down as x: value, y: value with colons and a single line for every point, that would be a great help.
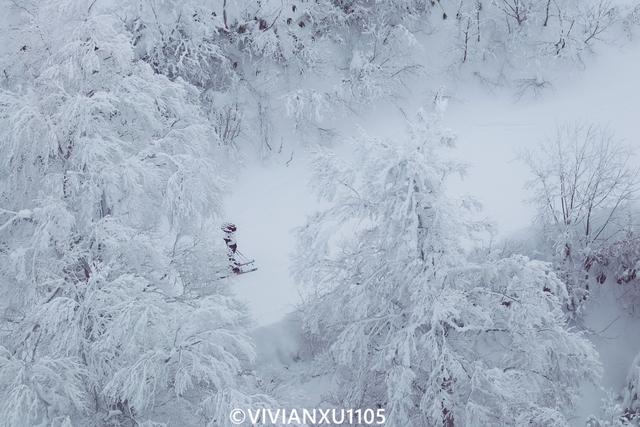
x: 238, y: 263
x: 232, y: 247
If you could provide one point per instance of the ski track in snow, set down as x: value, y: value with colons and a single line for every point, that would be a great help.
x: 270, y: 199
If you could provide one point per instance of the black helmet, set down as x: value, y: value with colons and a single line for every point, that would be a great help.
x: 227, y: 227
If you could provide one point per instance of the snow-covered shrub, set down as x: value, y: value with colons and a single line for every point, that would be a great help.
x: 631, y: 21
x: 513, y: 31
x: 631, y: 397
x: 620, y: 260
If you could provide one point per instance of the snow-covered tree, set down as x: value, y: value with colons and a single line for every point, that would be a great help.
x: 409, y: 324
x: 112, y: 311
x: 583, y: 184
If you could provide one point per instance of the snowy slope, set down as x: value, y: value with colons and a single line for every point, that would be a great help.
x: 267, y: 202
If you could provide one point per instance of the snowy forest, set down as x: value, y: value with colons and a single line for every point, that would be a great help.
x: 425, y: 208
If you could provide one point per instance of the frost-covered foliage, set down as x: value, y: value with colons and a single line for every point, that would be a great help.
x: 611, y: 414
x: 622, y: 411
x: 192, y: 39
x: 109, y: 291
x: 619, y: 261
x: 412, y: 326
x: 213, y: 43
x: 522, y: 30
x: 244, y: 55
x: 631, y: 402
